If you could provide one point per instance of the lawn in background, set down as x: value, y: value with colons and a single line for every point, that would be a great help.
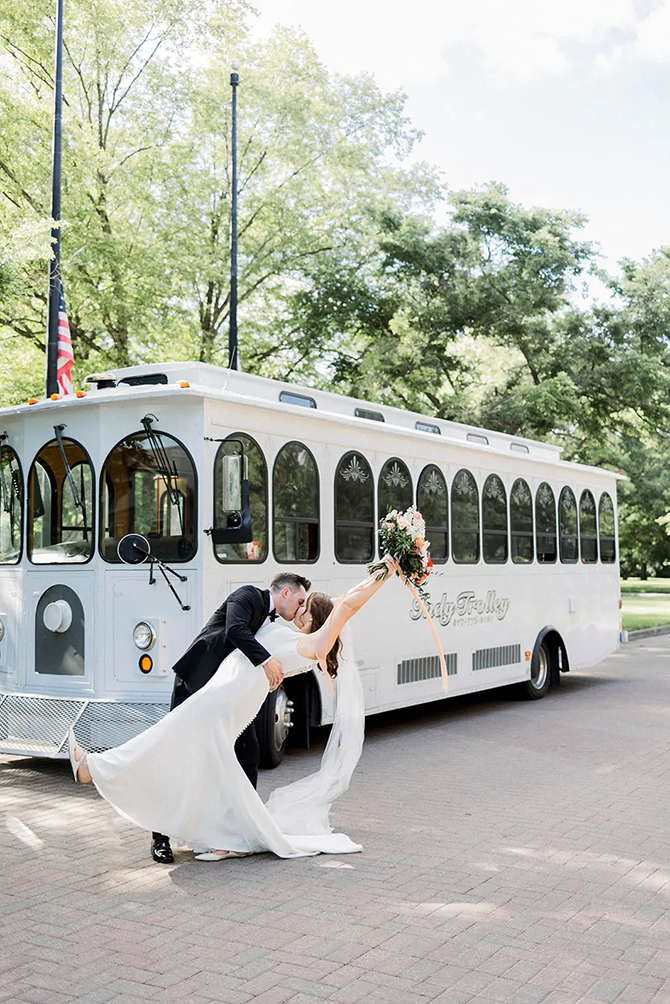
x: 646, y: 603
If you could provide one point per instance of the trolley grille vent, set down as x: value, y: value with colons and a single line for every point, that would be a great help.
x: 428, y: 668
x: 489, y: 658
x: 39, y: 725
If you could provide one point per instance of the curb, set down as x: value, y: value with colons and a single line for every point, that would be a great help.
x: 648, y: 632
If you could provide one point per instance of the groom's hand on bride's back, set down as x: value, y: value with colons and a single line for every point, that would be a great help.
x: 274, y: 672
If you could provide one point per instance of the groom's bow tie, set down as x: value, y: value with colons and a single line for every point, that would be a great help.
x: 273, y: 615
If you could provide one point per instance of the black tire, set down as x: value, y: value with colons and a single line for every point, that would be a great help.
x: 540, y: 674
x: 273, y: 724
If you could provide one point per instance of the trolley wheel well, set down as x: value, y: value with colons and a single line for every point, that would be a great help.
x: 557, y: 652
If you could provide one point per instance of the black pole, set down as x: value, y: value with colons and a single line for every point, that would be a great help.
x: 54, y: 264
x: 233, y: 358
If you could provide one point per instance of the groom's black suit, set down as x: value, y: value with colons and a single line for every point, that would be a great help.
x: 233, y: 625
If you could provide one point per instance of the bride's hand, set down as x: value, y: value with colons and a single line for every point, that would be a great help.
x: 392, y: 565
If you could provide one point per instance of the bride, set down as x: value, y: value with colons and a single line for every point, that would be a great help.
x: 181, y: 776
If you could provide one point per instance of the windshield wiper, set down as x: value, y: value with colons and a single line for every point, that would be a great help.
x: 168, y: 474
x: 76, y: 498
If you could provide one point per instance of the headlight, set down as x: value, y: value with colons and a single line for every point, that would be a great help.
x: 144, y: 636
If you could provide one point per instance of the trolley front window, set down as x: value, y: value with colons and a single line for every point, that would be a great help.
x: 354, y: 510
x: 152, y: 492
x: 60, y: 504
x: 432, y: 500
x: 295, y: 484
x: 11, y: 507
x: 256, y: 549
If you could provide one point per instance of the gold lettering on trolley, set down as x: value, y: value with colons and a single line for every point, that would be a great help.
x: 466, y: 604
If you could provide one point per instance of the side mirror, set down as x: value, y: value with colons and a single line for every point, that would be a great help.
x: 234, y: 470
x: 234, y: 501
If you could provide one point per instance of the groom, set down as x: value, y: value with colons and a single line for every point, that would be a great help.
x: 233, y: 625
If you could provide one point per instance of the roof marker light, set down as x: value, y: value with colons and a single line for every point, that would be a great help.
x: 33, y: 400
x: 184, y: 383
x: 55, y: 397
x: 80, y: 393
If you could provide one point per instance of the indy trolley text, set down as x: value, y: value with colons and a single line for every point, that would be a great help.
x: 220, y: 479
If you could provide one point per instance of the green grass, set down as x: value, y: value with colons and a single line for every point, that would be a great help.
x: 642, y: 610
x: 645, y: 586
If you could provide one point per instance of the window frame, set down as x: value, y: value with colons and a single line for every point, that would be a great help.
x: 495, y: 533
x: 17, y: 561
x: 594, y: 537
x: 293, y: 519
x: 390, y: 460
x: 561, y: 536
x: 373, y: 525
x: 437, y: 529
x: 523, y: 533
x: 243, y: 561
x: 612, y: 537
x: 196, y: 495
x: 478, y: 559
x: 54, y: 503
x: 539, y: 560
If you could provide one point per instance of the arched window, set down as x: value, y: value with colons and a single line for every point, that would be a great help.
x: 465, y: 518
x: 395, y: 487
x: 432, y: 501
x: 60, y: 504
x: 545, y: 524
x: 494, y: 521
x: 257, y: 549
x: 521, y: 522
x: 148, y: 486
x: 588, y: 531
x: 354, y: 510
x: 295, y: 486
x: 607, y: 529
x: 567, y: 525
x: 11, y: 507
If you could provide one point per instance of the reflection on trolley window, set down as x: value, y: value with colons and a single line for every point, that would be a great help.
x: 60, y: 504
x: 149, y: 488
x: 257, y: 549
x: 11, y: 507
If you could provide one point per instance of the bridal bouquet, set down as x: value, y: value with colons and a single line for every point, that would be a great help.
x: 402, y: 535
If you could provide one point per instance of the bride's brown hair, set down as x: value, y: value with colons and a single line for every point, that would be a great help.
x: 319, y: 606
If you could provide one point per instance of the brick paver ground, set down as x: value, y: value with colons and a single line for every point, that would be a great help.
x: 514, y: 852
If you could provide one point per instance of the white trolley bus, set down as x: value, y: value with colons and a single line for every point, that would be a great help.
x: 525, y: 584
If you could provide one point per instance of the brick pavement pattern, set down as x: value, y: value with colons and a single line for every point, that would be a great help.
x: 514, y: 852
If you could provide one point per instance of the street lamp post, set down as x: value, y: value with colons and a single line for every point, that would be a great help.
x: 54, y: 264
x: 233, y: 357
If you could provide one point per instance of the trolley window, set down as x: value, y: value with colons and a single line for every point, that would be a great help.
x: 60, y: 504
x: 607, y: 531
x: 148, y: 486
x: 257, y: 549
x: 494, y: 521
x: 521, y: 522
x: 465, y: 519
x: 432, y: 502
x: 354, y: 510
x: 11, y: 507
x: 395, y: 487
x: 545, y: 524
x: 567, y: 525
x: 295, y: 487
x: 588, y: 531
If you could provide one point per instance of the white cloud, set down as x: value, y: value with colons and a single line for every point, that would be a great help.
x: 653, y: 39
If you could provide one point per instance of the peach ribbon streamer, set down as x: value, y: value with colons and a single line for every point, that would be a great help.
x: 431, y: 625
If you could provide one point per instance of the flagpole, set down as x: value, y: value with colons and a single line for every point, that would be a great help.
x: 54, y: 264
x: 233, y: 358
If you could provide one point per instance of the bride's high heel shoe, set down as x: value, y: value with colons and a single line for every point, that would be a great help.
x: 74, y: 762
x: 220, y: 855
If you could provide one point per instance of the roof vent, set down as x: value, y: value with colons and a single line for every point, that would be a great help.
x: 102, y: 380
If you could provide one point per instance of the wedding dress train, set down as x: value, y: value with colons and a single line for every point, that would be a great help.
x: 181, y: 776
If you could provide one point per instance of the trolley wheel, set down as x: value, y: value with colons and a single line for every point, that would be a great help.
x: 540, y: 675
x: 273, y: 724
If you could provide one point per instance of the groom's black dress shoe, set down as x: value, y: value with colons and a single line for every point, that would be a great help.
x: 161, y: 851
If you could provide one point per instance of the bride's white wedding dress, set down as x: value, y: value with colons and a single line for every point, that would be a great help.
x: 181, y: 776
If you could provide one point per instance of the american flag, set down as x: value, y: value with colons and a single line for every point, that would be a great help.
x: 65, y: 355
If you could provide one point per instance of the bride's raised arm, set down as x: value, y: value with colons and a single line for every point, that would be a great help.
x: 317, y: 645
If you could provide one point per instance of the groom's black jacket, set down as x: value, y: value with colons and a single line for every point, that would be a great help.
x: 232, y: 626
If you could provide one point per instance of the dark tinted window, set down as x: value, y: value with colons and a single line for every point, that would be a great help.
x: 295, y: 486
x: 11, y: 507
x: 141, y: 493
x: 588, y: 532
x: 521, y: 522
x: 567, y: 525
x: 494, y: 521
x: 607, y: 529
x: 354, y: 509
x: 432, y: 501
x: 257, y: 549
x: 395, y: 487
x: 465, y: 518
x: 545, y: 523
x: 304, y: 402
x: 60, y: 504
x: 372, y: 416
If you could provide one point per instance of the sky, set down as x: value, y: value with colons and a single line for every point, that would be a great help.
x: 567, y: 103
